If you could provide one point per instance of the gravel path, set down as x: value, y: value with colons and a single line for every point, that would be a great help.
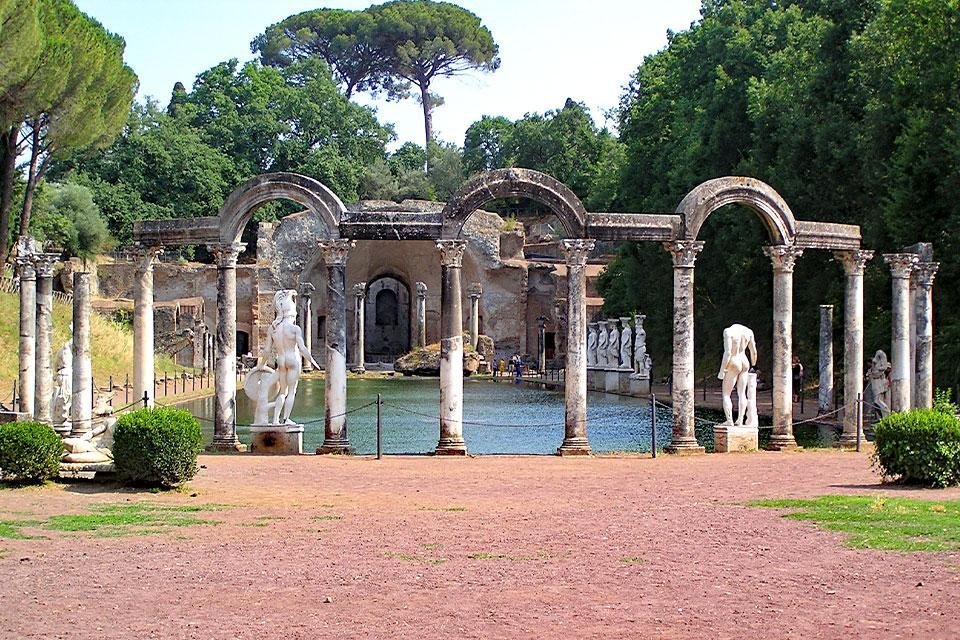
x: 490, y: 547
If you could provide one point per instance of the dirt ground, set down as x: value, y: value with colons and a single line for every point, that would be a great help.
x: 490, y: 547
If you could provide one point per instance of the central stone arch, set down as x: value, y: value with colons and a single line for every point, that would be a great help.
x: 515, y: 183
x: 240, y: 205
x: 749, y: 192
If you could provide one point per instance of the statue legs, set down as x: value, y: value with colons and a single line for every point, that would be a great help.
x: 742, y: 396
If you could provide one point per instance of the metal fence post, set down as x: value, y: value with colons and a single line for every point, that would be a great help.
x: 379, y: 429
x: 146, y: 399
x: 653, y: 425
x: 859, y: 420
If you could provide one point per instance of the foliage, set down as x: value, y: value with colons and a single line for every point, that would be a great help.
x: 29, y: 452
x: 68, y: 218
x: 920, y: 446
x: 157, y: 447
x: 112, y: 520
x: 895, y: 524
x: 943, y: 403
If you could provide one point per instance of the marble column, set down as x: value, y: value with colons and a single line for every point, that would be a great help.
x: 826, y: 398
x: 784, y: 258
x: 335, y: 383
x: 923, y: 274
x: 43, y: 263
x: 853, y: 266
x: 901, y: 267
x: 421, y: 314
x: 225, y: 356
x: 684, y: 439
x: 306, y: 297
x: 359, y: 322
x: 143, y: 338
x: 451, y: 349
x: 575, y: 382
x: 475, y: 291
x: 542, y: 344
x: 81, y: 402
x: 28, y: 331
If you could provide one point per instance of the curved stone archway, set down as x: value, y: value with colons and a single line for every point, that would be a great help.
x: 240, y: 205
x: 749, y: 192
x: 515, y: 183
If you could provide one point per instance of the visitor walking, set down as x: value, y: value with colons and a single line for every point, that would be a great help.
x: 517, y: 363
x: 797, y: 370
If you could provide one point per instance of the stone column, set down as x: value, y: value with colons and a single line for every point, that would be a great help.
x: 683, y: 439
x: 28, y: 331
x: 924, y: 274
x: 421, y: 314
x: 853, y: 266
x: 575, y: 382
x: 901, y: 266
x: 826, y: 398
x: 542, y: 344
x: 784, y: 258
x: 143, y: 341
x: 359, y: 320
x: 451, y: 349
x: 81, y: 405
x: 475, y: 291
x: 306, y: 295
x: 43, y: 263
x: 335, y: 384
x: 225, y: 359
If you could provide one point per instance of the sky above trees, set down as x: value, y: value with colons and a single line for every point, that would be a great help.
x: 550, y: 50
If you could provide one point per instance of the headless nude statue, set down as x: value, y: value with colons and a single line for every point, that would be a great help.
x: 737, y: 342
x: 285, y: 346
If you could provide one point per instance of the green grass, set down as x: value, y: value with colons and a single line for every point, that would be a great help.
x: 115, y: 520
x: 330, y: 517
x: 409, y: 557
x: 632, y: 560
x: 895, y: 524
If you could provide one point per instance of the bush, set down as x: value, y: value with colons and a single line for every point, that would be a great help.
x: 30, y: 452
x: 942, y: 402
x: 920, y: 446
x: 156, y: 447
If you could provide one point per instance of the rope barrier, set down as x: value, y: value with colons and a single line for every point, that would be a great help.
x: 475, y: 423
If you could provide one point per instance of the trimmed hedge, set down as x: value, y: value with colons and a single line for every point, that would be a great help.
x: 30, y: 452
x: 156, y: 447
x: 919, y: 447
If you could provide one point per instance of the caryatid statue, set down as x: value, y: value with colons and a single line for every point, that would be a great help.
x: 285, y: 347
x: 738, y: 341
x: 613, y: 346
x: 626, y: 346
x: 592, y: 344
x: 876, y: 398
x: 603, y: 342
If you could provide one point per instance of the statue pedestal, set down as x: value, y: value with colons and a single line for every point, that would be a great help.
x: 639, y: 386
x: 727, y: 438
x: 595, y: 379
x: 612, y: 381
x: 276, y: 439
x: 623, y: 381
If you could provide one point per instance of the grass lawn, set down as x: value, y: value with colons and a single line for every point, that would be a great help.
x: 113, y: 520
x: 897, y: 524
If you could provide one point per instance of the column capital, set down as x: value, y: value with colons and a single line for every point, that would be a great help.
x: 475, y: 290
x: 901, y: 264
x: 360, y: 289
x: 421, y: 289
x: 783, y: 256
x: 306, y: 289
x: 451, y: 252
x: 226, y: 254
x: 145, y: 256
x: 43, y: 263
x: 578, y: 250
x: 684, y: 252
x: 25, y: 266
x: 854, y: 261
x: 924, y: 273
x: 335, y: 251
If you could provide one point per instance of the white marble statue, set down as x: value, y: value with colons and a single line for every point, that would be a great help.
x: 626, y: 345
x: 641, y: 361
x: 738, y: 342
x: 603, y: 342
x: 62, y: 395
x: 876, y: 395
x: 613, y: 346
x: 592, y: 344
x: 284, y: 346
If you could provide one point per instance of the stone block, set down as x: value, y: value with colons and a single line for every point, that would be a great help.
x: 611, y: 381
x: 639, y: 386
x: 727, y: 438
x: 276, y: 439
x: 623, y: 383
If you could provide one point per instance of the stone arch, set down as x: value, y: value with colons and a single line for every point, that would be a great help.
x: 240, y: 205
x: 749, y: 192
x: 515, y: 183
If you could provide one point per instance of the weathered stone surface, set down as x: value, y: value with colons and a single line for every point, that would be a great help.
x: 487, y: 349
x: 276, y: 439
x: 728, y: 438
x: 426, y: 361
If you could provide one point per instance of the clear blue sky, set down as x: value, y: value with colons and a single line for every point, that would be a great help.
x: 550, y: 50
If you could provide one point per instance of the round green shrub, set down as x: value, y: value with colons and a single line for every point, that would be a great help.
x: 156, y: 447
x: 30, y: 452
x: 919, y: 447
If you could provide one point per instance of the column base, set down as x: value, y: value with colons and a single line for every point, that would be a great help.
x: 336, y: 447
x: 359, y: 369
x: 781, y: 443
x: 574, y: 447
x: 451, y: 447
x: 227, y: 445
x: 685, y: 447
x: 848, y: 442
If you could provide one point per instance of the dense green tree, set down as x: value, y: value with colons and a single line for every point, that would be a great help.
x: 67, y: 218
x: 486, y: 144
